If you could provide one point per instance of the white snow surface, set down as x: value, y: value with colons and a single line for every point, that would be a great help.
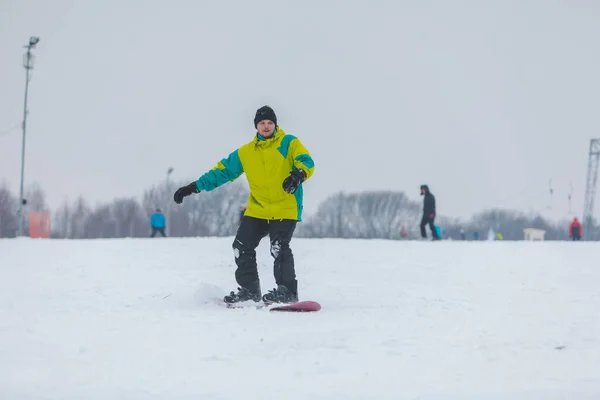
x: 137, y: 319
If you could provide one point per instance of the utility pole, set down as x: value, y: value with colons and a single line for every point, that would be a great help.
x: 28, y: 61
x: 590, y: 189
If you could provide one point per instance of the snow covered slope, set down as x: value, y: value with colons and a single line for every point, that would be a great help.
x: 135, y: 319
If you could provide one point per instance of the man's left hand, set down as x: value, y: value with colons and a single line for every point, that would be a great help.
x: 291, y: 183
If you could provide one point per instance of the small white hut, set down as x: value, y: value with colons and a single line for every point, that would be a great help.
x: 534, y: 234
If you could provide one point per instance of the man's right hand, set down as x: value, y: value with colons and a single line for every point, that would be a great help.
x: 185, y: 191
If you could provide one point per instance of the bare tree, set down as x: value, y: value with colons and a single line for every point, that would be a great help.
x: 60, y: 222
x: 80, y: 212
x: 69, y: 221
x: 129, y: 218
x: 8, y: 215
x: 376, y: 214
x: 36, y: 198
x: 100, y: 223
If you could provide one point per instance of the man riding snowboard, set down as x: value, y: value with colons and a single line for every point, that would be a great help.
x: 276, y: 164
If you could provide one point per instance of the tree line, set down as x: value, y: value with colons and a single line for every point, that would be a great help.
x: 364, y: 215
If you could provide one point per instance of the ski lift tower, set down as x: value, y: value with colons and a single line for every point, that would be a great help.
x: 590, y: 188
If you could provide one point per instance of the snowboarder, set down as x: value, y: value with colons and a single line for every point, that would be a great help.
x: 276, y: 164
x: 158, y: 223
x: 575, y: 230
x: 428, y: 213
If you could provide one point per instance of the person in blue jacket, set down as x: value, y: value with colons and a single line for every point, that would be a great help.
x: 158, y: 223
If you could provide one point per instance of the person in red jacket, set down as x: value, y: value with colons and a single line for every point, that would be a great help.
x: 575, y: 230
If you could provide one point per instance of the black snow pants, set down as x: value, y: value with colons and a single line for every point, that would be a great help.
x: 249, y: 234
x: 575, y: 233
x: 161, y: 230
x: 426, y: 220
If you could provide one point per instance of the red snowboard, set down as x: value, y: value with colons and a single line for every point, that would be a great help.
x: 303, y: 306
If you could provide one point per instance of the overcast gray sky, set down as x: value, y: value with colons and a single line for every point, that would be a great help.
x: 485, y: 101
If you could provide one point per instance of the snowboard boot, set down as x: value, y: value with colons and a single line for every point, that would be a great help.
x: 281, y: 294
x: 243, y: 294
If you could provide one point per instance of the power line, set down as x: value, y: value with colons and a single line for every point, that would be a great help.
x: 9, y: 130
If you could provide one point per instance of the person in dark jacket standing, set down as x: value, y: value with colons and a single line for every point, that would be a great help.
x: 428, y: 213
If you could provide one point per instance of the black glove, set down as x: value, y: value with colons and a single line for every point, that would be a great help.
x: 185, y: 191
x: 291, y: 183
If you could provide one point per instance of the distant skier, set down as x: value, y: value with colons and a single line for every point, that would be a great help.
x: 575, y: 230
x: 439, y: 231
x: 403, y: 233
x: 428, y: 213
x: 276, y: 164
x: 158, y: 223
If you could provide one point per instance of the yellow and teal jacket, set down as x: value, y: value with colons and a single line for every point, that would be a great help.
x: 266, y: 162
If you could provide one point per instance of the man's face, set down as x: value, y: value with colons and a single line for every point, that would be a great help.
x: 265, y: 128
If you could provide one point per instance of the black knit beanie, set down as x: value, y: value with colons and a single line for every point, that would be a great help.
x: 263, y: 113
